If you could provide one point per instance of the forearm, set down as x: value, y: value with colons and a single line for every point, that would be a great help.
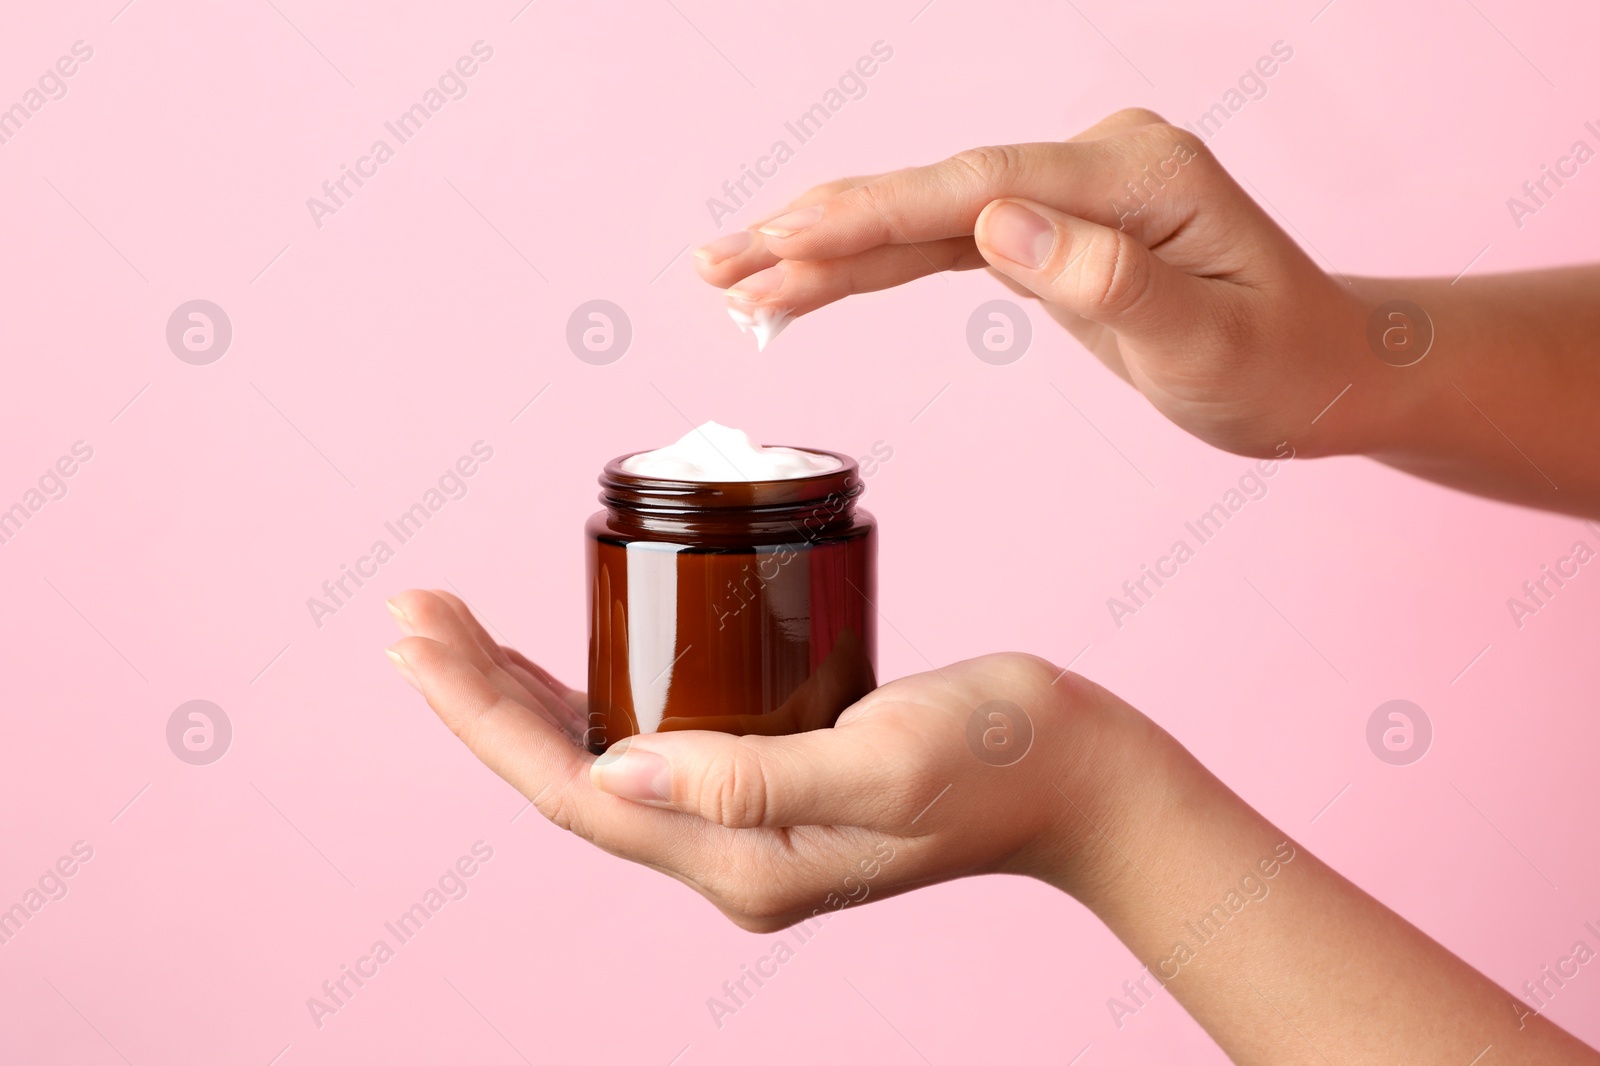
x: 1280, y: 958
x: 1505, y: 403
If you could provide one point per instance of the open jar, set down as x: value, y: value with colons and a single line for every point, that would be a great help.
x: 740, y: 606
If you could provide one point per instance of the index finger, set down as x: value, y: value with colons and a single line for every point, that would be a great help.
x: 744, y: 252
x: 929, y: 203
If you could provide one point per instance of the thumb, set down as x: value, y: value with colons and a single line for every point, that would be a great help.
x: 1099, y: 273
x: 823, y: 777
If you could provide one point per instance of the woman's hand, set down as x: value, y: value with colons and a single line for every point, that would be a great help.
x: 960, y: 771
x: 1132, y: 235
x: 998, y: 764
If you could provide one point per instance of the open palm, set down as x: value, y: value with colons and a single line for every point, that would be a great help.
x: 905, y: 790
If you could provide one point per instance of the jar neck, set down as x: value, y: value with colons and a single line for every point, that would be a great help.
x: 788, y: 510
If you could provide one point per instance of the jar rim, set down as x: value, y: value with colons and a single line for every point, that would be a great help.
x: 639, y: 492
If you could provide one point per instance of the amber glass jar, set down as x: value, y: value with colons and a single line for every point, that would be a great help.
x: 741, y: 606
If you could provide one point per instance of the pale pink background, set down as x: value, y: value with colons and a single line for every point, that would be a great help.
x: 406, y: 328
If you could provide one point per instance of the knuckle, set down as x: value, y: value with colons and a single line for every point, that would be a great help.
x: 735, y: 793
x: 1188, y: 145
x: 558, y: 809
x: 1115, y: 277
x: 1070, y: 690
x: 987, y: 164
x: 1023, y: 670
x: 875, y: 204
x: 1163, y: 141
x: 1032, y: 667
x: 872, y: 196
x: 1142, y: 116
x: 1179, y: 137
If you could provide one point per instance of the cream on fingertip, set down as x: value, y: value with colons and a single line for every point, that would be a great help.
x: 764, y: 322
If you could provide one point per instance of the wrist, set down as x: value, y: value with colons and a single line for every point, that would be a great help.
x: 1387, y: 354
x: 1338, y: 403
x: 1119, y: 773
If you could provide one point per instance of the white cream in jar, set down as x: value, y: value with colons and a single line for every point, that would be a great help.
x: 714, y: 452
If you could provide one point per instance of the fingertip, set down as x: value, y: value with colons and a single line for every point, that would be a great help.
x: 1016, y: 232
x: 633, y: 774
x: 724, y: 248
x: 408, y: 607
x: 399, y: 615
x: 731, y: 271
x: 980, y: 225
x: 421, y: 661
x: 981, y: 230
x: 761, y: 285
x: 983, y: 215
x: 791, y: 223
x: 403, y: 667
x: 420, y: 655
x: 711, y: 273
x: 398, y: 602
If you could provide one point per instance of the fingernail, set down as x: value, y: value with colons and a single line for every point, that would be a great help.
x: 761, y: 283
x: 635, y: 775
x: 725, y: 247
x: 793, y: 222
x: 399, y: 616
x: 1020, y: 235
x: 404, y: 667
